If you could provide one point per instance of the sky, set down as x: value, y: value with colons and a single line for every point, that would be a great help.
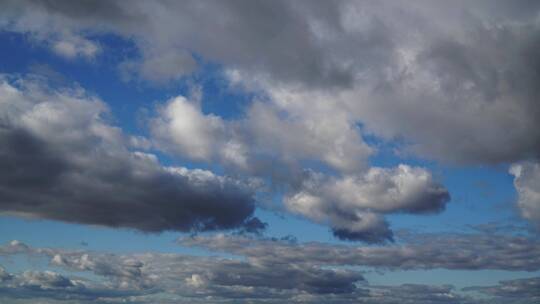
x: 269, y: 152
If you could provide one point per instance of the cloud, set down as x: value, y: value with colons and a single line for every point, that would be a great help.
x: 243, y: 31
x: 453, y: 83
x: 527, y: 184
x: 189, y: 276
x: 413, y: 252
x: 72, y: 46
x: 265, y: 133
x: 526, y: 290
x: 62, y: 160
x: 305, y: 273
x: 351, y: 204
x: 181, y: 126
x: 418, y: 293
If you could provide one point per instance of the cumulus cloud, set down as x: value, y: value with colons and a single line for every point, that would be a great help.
x: 350, y: 204
x: 452, y: 83
x: 181, y: 126
x: 466, y: 71
x: 266, y: 132
x: 62, y: 160
x: 527, y: 184
x: 419, y: 293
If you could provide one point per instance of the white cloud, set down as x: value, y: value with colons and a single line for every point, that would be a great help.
x: 182, y: 126
x: 63, y: 160
x: 351, y: 203
x: 527, y: 184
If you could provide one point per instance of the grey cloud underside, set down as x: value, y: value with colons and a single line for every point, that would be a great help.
x: 61, y: 160
x: 352, y: 205
x: 467, y: 70
x: 176, y: 278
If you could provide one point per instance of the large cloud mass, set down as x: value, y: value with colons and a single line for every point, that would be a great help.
x: 60, y: 159
x: 457, y: 82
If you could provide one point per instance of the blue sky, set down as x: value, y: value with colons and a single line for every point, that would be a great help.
x: 178, y: 152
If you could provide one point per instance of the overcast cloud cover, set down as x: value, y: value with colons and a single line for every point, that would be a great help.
x: 357, y: 116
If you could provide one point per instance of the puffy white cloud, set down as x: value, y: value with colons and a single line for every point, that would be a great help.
x: 527, y: 184
x: 350, y: 204
x: 182, y: 126
x: 266, y: 132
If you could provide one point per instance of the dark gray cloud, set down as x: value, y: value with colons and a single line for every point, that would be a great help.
x: 61, y: 160
x: 375, y: 233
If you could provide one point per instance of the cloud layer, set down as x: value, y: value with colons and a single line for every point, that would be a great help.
x: 305, y: 273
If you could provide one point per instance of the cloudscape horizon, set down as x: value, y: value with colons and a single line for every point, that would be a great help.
x: 269, y: 151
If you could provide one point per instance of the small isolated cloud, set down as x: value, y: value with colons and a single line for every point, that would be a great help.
x: 352, y: 204
x: 73, y: 46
